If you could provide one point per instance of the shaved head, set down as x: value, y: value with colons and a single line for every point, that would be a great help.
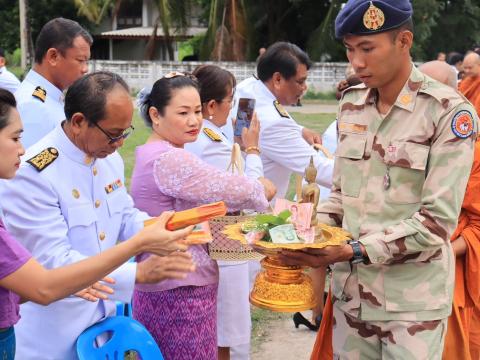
x: 440, y: 71
x: 471, y: 64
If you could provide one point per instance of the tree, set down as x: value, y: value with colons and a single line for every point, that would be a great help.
x: 227, y: 36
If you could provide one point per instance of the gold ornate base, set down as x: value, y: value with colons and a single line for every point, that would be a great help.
x: 282, y: 288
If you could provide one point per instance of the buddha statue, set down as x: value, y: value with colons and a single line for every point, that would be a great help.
x: 311, y: 190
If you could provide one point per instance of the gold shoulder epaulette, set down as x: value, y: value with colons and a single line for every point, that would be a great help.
x: 44, y: 158
x: 280, y: 109
x: 40, y: 93
x: 212, y: 134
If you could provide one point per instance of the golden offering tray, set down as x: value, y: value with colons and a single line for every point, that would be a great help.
x: 279, y: 287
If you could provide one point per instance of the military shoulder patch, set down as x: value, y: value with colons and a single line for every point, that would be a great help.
x: 43, y: 159
x: 462, y: 124
x: 212, y: 135
x: 280, y: 109
x: 40, y: 93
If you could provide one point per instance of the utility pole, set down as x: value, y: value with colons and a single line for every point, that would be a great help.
x: 24, y: 46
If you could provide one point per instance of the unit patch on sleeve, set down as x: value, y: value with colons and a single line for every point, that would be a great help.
x: 462, y: 124
x: 44, y: 158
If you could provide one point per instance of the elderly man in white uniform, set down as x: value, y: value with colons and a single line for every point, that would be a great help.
x: 286, y: 146
x: 62, y: 51
x: 213, y: 147
x: 67, y: 202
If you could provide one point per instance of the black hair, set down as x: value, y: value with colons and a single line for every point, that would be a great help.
x: 214, y: 82
x: 282, y: 57
x: 2, y: 52
x: 162, y: 92
x: 406, y: 26
x: 59, y: 33
x: 7, y: 102
x: 88, y: 95
x: 454, y: 58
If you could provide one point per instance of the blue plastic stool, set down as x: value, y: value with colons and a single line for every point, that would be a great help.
x: 124, y: 309
x: 127, y: 334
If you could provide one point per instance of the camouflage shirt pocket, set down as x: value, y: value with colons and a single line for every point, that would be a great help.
x: 350, y: 151
x: 407, y: 163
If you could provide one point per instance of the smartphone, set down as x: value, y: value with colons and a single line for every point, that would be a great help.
x: 246, y: 107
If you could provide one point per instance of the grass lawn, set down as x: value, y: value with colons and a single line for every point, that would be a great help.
x: 317, y: 122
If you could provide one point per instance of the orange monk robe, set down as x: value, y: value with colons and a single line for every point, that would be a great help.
x: 470, y: 87
x: 463, y: 333
x: 323, y: 349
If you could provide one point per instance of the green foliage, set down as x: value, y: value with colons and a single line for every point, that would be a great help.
x: 190, y: 47
x: 456, y: 29
x: 40, y: 11
x: 14, y: 58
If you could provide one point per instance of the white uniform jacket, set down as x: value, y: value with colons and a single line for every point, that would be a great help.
x: 8, y: 81
x: 39, y: 114
x: 283, y: 149
x: 71, y: 208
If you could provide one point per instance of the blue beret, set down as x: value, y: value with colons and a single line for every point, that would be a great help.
x: 364, y: 17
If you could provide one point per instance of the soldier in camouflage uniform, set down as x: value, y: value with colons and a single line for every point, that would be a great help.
x: 404, y: 155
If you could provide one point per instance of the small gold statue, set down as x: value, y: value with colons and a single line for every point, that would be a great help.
x: 311, y: 191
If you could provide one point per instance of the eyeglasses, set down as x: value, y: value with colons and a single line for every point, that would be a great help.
x: 114, y: 139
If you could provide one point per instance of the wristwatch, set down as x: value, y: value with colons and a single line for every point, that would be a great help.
x: 357, y: 252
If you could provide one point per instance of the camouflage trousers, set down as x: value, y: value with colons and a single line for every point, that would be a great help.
x: 400, y: 340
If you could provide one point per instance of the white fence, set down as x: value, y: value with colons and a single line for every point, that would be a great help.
x: 322, y: 76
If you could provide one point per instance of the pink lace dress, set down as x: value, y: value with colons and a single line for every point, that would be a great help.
x: 181, y: 314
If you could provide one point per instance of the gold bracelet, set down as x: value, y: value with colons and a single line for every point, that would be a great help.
x: 252, y: 148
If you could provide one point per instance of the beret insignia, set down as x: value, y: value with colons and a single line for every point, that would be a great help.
x: 212, y: 135
x: 462, y: 124
x: 280, y: 109
x: 44, y: 158
x: 40, y: 93
x: 374, y: 18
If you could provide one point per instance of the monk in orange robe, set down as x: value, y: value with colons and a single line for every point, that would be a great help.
x: 470, y: 85
x: 463, y: 333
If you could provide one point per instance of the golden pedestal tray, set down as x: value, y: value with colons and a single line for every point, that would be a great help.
x: 280, y: 287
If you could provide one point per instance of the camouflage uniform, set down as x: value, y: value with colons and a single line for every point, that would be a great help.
x: 398, y: 186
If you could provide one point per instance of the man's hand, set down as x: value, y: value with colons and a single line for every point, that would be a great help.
x: 317, y: 257
x: 311, y: 137
x: 97, y: 291
x: 156, y: 239
x: 155, y: 268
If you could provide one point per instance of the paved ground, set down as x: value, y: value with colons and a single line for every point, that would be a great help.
x: 284, y: 342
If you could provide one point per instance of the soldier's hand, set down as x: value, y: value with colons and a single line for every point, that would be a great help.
x: 250, y: 135
x: 311, y: 137
x: 156, y: 239
x: 270, y: 188
x: 155, y: 268
x: 317, y: 257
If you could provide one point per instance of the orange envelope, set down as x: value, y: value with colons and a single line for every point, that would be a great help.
x: 198, y: 216
x: 193, y: 216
